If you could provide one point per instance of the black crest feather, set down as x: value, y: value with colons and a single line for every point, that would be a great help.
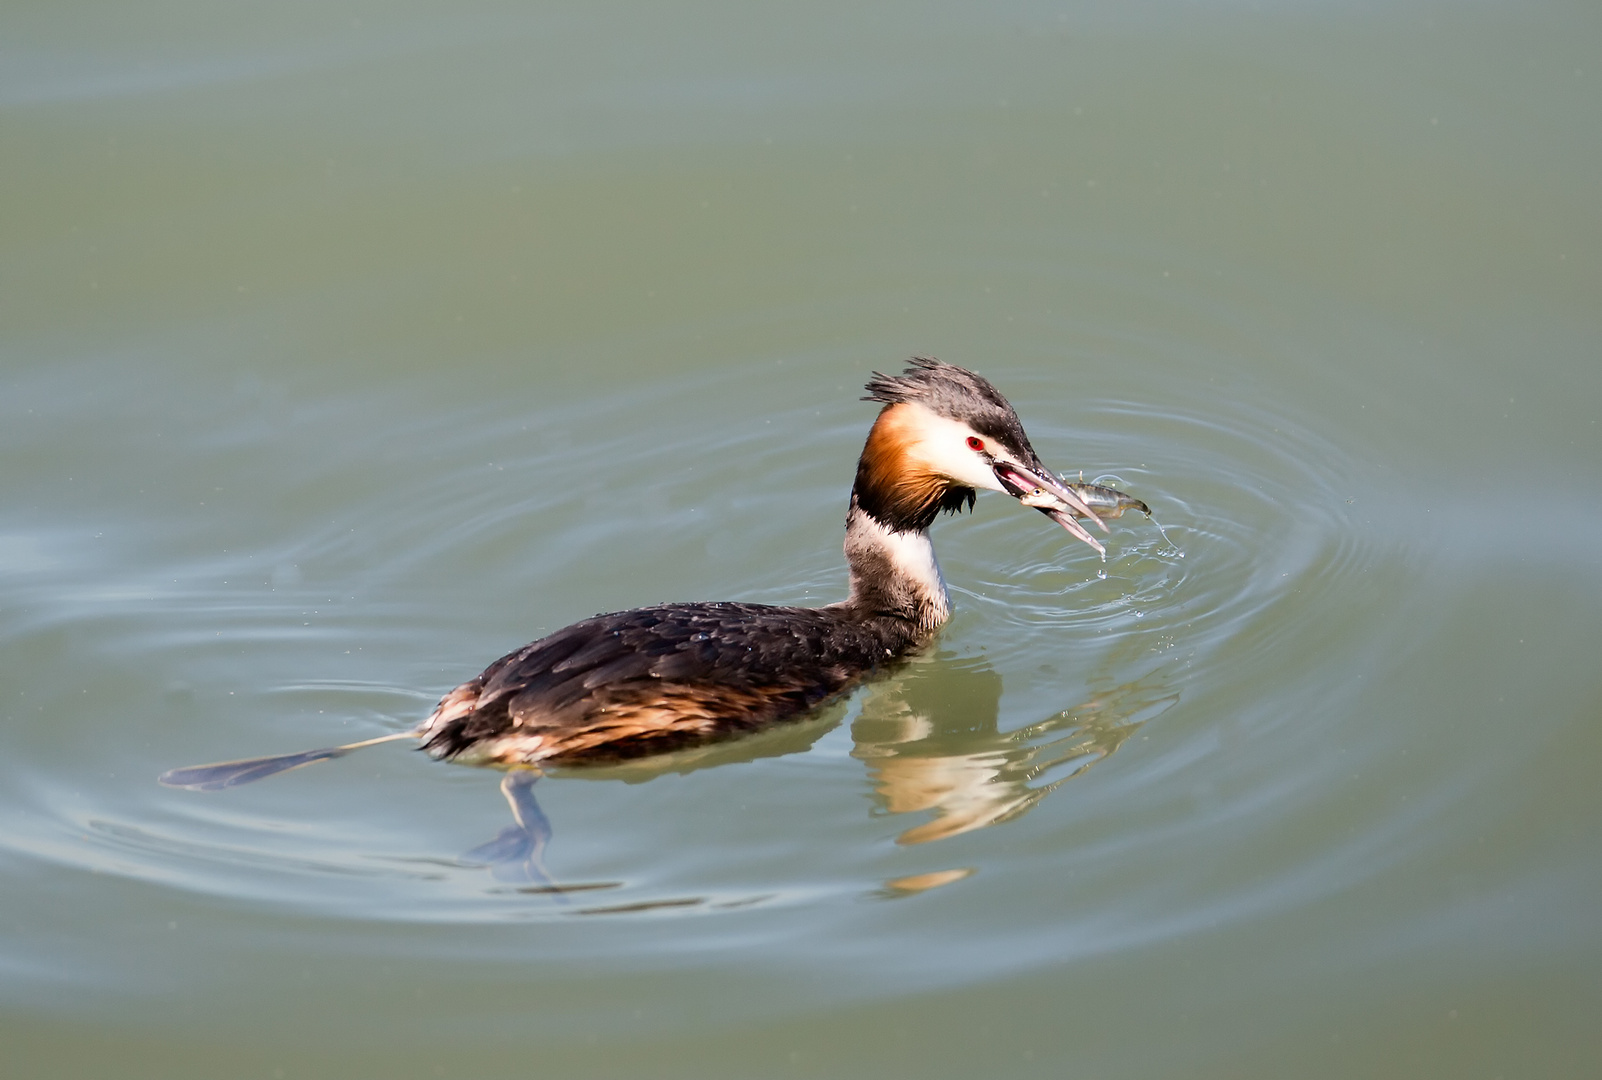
x: 953, y: 392
x: 935, y: 383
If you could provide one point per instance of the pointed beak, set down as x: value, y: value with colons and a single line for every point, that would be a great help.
x: 1034, y: 485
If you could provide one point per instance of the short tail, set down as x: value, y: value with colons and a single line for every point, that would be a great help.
x: 227, y: 774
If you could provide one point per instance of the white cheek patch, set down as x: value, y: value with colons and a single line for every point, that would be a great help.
x: 942, y: 447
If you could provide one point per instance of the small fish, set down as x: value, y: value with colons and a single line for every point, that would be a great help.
x: 1102, y: 502
x: 1106, y: 501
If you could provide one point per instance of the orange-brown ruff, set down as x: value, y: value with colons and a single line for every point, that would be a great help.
x: 658, y: 678
x: 909, y: 489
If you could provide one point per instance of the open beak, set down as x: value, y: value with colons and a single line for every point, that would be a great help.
x: 1034, y: 485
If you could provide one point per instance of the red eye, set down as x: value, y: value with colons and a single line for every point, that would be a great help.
x: 975, y: 443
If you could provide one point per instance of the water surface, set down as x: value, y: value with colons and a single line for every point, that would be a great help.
x: 345, y: 351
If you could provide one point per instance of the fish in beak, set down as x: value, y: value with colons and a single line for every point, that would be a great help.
x: 1065, y: 503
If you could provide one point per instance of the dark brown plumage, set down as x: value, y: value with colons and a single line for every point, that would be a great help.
x: 659, y: 678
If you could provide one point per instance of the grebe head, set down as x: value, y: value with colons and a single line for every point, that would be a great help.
x: 944, y: 433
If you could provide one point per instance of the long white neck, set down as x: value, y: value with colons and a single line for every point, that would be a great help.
x: 894, y: 573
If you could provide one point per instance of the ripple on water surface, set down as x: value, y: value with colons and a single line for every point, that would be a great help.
x: 349, y: 628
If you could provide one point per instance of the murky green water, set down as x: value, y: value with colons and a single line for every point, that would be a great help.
x: 344, y: 350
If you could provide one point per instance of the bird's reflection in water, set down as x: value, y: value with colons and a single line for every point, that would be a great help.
x: 931, y: 740
x: 932, y: 744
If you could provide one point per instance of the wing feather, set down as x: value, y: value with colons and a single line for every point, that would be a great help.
x: 642, y: 680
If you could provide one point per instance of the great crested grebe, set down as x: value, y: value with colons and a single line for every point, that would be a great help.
x: 660, y: 678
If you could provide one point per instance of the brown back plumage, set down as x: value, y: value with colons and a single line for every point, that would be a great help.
x: 642, y: 681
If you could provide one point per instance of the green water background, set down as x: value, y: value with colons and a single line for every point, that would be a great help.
x: 343, y: 349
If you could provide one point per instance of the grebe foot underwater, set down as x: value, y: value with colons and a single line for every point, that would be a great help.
x: 655, y: 679
x: 518, y: 853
